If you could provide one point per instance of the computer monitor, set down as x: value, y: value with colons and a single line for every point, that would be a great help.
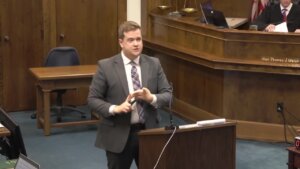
x: 214, y: 17
x: 25, y: 162
x: 12, y: 145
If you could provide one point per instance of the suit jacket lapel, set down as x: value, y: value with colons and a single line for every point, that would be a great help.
x: 120, y: 70
x: 291, y: 11
x: 144, y: 71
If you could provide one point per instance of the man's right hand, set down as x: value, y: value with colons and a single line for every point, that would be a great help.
x: 125, y: 107
x: 270, y: 28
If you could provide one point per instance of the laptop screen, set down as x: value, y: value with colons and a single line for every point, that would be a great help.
x: 26, y: 163
x: 214, y: 17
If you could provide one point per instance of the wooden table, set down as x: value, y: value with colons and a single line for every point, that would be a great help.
x: 294, y: 158
x: 52, y: 78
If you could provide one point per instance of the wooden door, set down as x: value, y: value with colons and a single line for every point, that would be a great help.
x: 21, y: 48
x: 88, y: 25
x: 91, y: 27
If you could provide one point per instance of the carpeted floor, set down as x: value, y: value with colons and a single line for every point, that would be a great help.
x: 73, y: 147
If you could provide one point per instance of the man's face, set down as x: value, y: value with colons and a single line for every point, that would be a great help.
x: 132, y: 43
x: 285, y: 3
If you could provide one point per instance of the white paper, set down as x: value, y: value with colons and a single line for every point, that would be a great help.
x: 203, y: 123
x: 1, y: 125
x: 211, y: 122
x: 186, y: 126
x: 281, y: 27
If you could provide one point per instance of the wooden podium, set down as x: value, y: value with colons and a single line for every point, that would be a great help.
x: 210, y: 147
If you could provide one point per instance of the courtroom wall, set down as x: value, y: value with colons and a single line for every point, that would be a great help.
x: 29, y: 29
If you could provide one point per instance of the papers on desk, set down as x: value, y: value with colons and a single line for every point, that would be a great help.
x: 187, y: 126
x: 204, y: 123
x: 235, y: 22
x: 3, y: 131
x: 281, y: 27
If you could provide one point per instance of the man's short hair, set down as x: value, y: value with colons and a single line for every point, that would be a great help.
x: 126, y: 27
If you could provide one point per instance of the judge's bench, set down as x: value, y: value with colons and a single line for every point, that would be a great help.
x: 237, y: 74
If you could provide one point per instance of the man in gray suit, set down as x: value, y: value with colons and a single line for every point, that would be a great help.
x: 126, y: 91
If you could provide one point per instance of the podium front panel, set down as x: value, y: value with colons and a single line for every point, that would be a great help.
x: 203, y: 147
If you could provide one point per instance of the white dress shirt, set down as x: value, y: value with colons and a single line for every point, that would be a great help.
x: 288, y: 9
x: 128, y: 66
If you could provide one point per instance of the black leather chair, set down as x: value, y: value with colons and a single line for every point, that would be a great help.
x: 62, y: 56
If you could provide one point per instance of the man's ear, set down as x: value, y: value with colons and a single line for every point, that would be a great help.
x: 120, y: 42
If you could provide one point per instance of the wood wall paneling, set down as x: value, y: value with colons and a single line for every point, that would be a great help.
x: 247, y: 98
x: 33, y: 27
x: 236, y: 74
x: 21, y: 48
x: 230, y: 8
x: 91, y: 27
x: 49, y: 26
x: 253, y: 96
x: 195, y: 85
x: 2, y: 16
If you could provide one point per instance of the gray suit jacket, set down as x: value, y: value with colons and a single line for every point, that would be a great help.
x: 109, y: 87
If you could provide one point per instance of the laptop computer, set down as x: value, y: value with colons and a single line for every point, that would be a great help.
x: 214, y: 17
x: 24, y: 162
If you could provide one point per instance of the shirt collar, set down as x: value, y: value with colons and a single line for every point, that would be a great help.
x: 127, y: 61
x: 288, y: 8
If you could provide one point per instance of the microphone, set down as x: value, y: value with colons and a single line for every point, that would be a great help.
x: 171, y: 126
x: 132, y: 102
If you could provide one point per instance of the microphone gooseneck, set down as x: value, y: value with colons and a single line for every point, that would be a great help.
x: 171, y: 126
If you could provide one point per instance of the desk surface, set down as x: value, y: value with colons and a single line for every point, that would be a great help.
x: 4, y: 132
x: 236, y: 22
x: 293, y: 149
x: 65, y: 72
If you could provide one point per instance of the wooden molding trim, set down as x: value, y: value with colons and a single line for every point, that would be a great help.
x: 244, y: 129
x: 215, y: 62
x: 49, y: 25
x: 263, y: 131
x: 190, y: 112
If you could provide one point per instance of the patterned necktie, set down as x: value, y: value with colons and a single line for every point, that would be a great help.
x: 284, y: 17
x: 137, y: 85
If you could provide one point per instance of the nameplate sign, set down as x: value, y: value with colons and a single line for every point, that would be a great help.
x: 280, y: 60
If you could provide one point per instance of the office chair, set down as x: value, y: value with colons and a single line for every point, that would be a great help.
x: 62, y: 56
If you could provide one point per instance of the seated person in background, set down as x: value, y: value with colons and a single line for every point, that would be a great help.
x: 273, y: 15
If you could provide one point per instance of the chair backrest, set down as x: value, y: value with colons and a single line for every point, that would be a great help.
x: 62, y: 56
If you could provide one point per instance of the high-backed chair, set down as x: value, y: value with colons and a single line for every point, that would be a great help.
x: 62, y: 56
